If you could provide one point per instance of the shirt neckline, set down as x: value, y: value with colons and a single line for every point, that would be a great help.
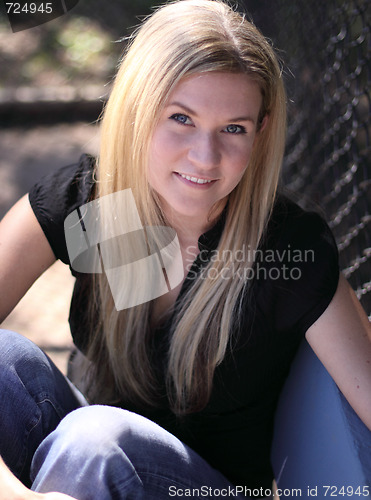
x: 210, y: 239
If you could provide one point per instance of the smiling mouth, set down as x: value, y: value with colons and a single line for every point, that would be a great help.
x: 195, y: 180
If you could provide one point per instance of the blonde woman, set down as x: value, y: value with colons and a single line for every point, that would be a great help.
x: 181, y: 384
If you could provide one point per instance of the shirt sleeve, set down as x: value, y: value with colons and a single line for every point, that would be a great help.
x: 302, y: 269
x: 58, y: 194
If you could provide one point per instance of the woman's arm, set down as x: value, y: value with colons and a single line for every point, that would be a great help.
x: 24, y: 254
x: 341, y: 338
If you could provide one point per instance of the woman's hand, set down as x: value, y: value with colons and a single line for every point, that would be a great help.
x: 13, y: 489
x: 48, y: 496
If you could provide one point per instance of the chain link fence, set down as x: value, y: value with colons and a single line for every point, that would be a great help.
x: 326, y: 49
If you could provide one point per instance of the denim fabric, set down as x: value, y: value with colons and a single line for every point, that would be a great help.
x: 34, y: 397
x: 91, y: 452
x: 102, y: 452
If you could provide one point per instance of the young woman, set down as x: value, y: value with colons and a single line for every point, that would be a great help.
x: 183, y: 385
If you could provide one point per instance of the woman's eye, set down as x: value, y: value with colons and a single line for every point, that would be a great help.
x: 179, y: 117
x: 235, y: 129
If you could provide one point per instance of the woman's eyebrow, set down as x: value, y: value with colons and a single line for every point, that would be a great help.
x: 192, y: 112
x: 180, y: 105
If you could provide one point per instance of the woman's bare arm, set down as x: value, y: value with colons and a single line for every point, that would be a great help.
x: 24, y: 254
x: 341, y: 338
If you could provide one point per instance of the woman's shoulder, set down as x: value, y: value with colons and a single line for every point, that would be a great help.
x: 75, y: 178
x: 58, y: 194
x: 299, y: 264
x: 290, y: 223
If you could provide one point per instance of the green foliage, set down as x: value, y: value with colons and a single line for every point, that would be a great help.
x: 75, y: 49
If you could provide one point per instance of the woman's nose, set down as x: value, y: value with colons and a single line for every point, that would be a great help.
x: 204, y: 151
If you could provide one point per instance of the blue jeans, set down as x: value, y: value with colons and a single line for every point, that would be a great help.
x: 50, y: 439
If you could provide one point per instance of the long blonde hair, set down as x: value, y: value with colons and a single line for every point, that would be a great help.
x: 180, y: 39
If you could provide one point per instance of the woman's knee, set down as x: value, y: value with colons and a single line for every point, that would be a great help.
x: 103, y: 428
x: 34, y: 398
x: 88, y: 443
x: 22, y: 356
x: 97, y: 426
x: 109, y: 449
x: 24, y: 367
x: 13, y: 346
x: 20, y: 362
x: 31, y: 370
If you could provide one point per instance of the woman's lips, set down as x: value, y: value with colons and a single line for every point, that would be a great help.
x: 191, y: 180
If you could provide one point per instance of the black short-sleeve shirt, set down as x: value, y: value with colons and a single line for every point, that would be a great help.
x: 293, y: 280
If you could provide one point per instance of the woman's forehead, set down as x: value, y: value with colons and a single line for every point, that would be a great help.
x: 234, y: 94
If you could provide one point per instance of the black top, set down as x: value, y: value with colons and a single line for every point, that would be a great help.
x: 295, y: 277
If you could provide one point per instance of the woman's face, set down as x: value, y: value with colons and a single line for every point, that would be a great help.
x: 202, y: 143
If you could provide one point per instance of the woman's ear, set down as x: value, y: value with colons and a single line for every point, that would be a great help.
x: 260, y: 127
x: 263, y: 123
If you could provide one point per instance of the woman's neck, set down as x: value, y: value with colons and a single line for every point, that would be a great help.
x: 190, y: 228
